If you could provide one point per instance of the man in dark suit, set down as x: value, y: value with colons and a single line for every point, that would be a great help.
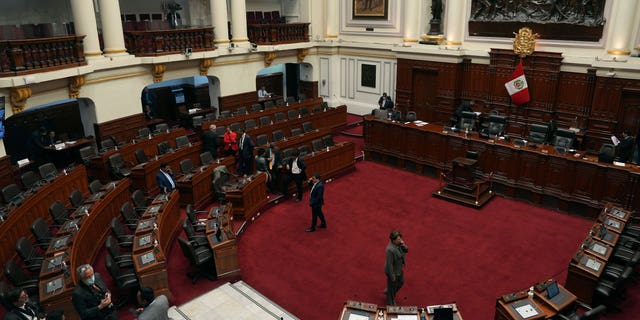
x: 210, y: 141
x: 166, y: 181
x: 22, y: 309
x: 394, y: 262
x: 316, y: 200
x: 625, y: 146
x: 245, y: 154
x: 386, y: 103
x: 151, y: 307
x: 296, y: 172
x: 91, y: 298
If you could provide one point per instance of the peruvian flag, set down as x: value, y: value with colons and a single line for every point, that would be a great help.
x: 517, y: 86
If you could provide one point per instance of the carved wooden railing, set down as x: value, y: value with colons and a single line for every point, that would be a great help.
x: 279, y: 33
x: 19, y: 57
x: 163, y: 42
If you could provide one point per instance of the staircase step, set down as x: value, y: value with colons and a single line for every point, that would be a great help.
x: 262, y: 301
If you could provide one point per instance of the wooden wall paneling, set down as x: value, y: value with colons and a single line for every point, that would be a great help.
x: 8, y: 173
x: 201, y: 96
x: 425, y: 84
x: 273, y: 83
x: 309, y: 88
x: 574, y: 93
x: 123, y: 129
x: 585, y: 187
x: 629, y: 112
x: 235, y: 101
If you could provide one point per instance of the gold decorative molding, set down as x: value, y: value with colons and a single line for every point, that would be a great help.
x: 301, y: 54
x: 19, y: 96
x: 453, y: 43
x: 619, y: 52
x: 158, y: 72
x: 75, y: 84
x: 269, y: 57
x: 205, y: 64
x: 525, y: 42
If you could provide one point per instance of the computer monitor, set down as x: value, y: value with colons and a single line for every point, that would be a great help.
x: 443, y: 313
x: 552, y: 290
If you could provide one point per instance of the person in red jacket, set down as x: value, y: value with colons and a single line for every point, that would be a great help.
x: 230, y: 142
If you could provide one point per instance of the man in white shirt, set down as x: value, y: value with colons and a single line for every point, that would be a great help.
x: 296, y: 169
x: 165, y: 179
x: 262, y: 93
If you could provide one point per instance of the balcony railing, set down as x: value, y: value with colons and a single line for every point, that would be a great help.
x: 163, y: 42
x: 18, y: 57
x: 280, y: 33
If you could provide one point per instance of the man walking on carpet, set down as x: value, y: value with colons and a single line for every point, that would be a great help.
x: 394, y: 262
x: 316, y: 200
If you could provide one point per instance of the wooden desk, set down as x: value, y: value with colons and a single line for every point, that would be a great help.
x: 393, y: 312
x: 87, y: 243
x: 197, y: 188
x: 36, y: 205
x: 99, y: 165
x: 364, y: 309
x: 583, y: 275
x: 143, y: 176
x: 457, y: 315
x: 579, y: 184
x: 152, y: 246
x: 248, y: 198
x: 544, y: 307
x: 223, y: 244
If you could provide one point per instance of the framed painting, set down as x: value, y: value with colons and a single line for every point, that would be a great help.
x: 370, y: 10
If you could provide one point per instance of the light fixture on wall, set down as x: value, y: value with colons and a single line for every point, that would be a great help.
x: 187, y: 52
x: 324, y: 82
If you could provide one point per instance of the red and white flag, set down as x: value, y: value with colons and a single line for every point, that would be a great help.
x: 517, y: 86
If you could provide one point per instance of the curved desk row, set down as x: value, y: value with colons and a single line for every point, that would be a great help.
x: 534, y: 304
x: 36, y: 205
x: 143, y: 176
x: 196, y: 188
x: 575, y: 183
x: 371, y: 311
x: 81, y: 246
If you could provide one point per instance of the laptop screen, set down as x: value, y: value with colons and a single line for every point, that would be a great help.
x: 443, y: 314
x: 552, y: 290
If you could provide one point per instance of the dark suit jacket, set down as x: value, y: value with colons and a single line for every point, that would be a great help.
x: 157, y: 310
x: 86, y: 301
x: 394, y: 260
x: 247, y: 146
x: 210, y: 142
x: 15, y: 314
x: 316, y: 198
x: 301, y: 165
x: 163, y: 182
x: 626, y: 147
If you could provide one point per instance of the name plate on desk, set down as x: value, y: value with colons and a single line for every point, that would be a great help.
x: 145, y: 224
x: 591, y: 263
x: 54, y: 285
x: 147, y: 258
x: 23, y: 162
x: 144, y: 240
x: 154, y: 209
x: 59, y: 243
x: 598, y: 248
x: 54, y: 262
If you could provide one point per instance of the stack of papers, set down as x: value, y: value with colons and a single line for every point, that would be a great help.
x: 527, y: 311
x: 420, y: 123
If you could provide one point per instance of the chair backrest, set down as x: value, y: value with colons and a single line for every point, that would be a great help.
x: 163, y: 147
x: 607, y: 153
x: 107, y: 144
x: 58, y: 212
x: 76, y: 198
x: 14, y: 273
x: 291, y: 99
x: 48, y: 171
x: 117, y: 228
x: 189, y: 231
x: 95, y: 186
x: 25, y: 249
x: 262, y: 140
x: 467, y: 121
x: 210, y: 116
x: 497, y: 124
x: 279, y: 102
x: 29, y: 180
x: 235, y: 126
x: 292, y: 114
x: 472, y: 155
x: 182, y: 141
x: 303, y: 150
x: 225, y: 114
x: 379, y: 114
x: 538, y: 133
x: 162, y: 127
x: 12, y: 194
x: 269, y: 105
x: 328, y: 140
x: 317, y: 145
x: 143, y: 132
x: 138, y: 198
x: 86, y: 153
x: 41, y: 231
x: 564, y: 138
x: 191, y: 214
x: 241, y: 110
x: 187, y: 250
x: 128, y: 213
x: 256, y: 107
x: 186, y: 166
x: 302, y: 97
x: 277, y: 135
x: 593, y: 313
x: 141, y: 157
x: 288, y: 153
x: 112, y: 246
x: 307, y: 126
x: 197, y: 121
x: 250, y: 124
x: 206, y: 158
x: 279, y: 116
x: 296, y: 132
x: 411, y: 116
x: 220, y: 130
x: 265, y: 120
x: 304, y: 111
x: 116, y: 161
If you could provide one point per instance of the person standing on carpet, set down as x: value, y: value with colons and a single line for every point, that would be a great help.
x: 296, y: 169
x: 316, y: 200
x: 91, y: 298
x: 394, y: 262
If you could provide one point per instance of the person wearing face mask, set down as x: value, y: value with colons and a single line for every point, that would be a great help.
x: 91, y: 297
x: 22, y: 308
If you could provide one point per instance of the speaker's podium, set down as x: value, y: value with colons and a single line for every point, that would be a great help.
x: 461, y: 184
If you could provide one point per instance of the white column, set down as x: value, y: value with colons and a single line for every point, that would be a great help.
x: 411, y: 26
x: 622, y: 20
x: 239, y: 22
x: 219, y: 15
x: 84, y: 22
x: 333, y: 19
x: 112, y: 34
x: 454, y: 21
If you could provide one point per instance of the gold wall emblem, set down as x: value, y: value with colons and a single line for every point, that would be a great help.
x: 525, y: 42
